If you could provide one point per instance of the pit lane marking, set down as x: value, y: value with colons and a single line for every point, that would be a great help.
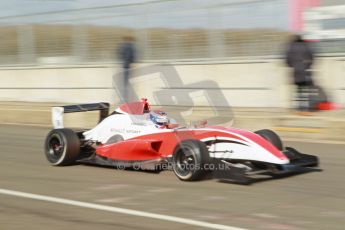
x: 298, y: 129
x: 117, y: 210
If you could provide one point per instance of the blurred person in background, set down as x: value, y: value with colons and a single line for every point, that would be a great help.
x: 126, y: 54
x: 299, y: 56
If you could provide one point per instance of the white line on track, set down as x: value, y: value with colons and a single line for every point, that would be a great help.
x: 117, y: 210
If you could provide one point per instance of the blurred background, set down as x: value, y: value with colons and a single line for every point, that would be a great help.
x: 224, y: 53
x: 38, y: 32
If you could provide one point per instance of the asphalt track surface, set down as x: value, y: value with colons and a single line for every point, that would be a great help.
x: 309, y: 201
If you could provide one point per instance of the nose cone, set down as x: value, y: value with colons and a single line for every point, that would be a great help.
x: 258, y: 148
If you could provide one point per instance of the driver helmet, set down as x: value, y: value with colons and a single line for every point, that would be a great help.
x: 159, y: 118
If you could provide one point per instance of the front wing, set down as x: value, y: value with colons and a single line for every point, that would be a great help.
x: 244, y: 173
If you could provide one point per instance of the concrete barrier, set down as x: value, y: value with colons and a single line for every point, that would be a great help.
x: 250, y: 83
x: 258, y: 93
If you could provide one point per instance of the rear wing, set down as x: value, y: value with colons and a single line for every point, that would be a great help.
x: 58, y: 111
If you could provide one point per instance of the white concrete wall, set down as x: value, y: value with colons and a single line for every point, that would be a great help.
x: 56, y: 84
x: 246, y: 84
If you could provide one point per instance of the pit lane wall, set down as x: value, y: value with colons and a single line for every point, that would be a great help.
x: 249, y: 83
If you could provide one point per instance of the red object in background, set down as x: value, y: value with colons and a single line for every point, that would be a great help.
x: 296, y: 9
x: 328, y: 106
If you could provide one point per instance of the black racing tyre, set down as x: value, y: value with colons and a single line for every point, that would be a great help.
x: 272, y: 137
x: 62, y: 147
x: 189, y: 159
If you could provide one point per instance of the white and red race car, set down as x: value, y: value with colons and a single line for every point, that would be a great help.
x: 134, y: 136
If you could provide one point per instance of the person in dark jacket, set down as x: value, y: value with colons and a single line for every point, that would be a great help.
x: 126, y: 54
x: 300, y: 57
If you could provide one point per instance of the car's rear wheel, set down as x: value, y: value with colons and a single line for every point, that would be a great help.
x: 272, y: 137
x: 189, y: 159
x: 62, y: 147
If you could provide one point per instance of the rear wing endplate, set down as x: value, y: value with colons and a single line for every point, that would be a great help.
x: 58, y: 111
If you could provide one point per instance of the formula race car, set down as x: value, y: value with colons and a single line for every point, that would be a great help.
x: 134, y: 136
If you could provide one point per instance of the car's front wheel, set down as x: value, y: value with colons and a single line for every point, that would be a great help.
x: 271, y: 137
x: 62, y: 147
x: 189, y: 160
